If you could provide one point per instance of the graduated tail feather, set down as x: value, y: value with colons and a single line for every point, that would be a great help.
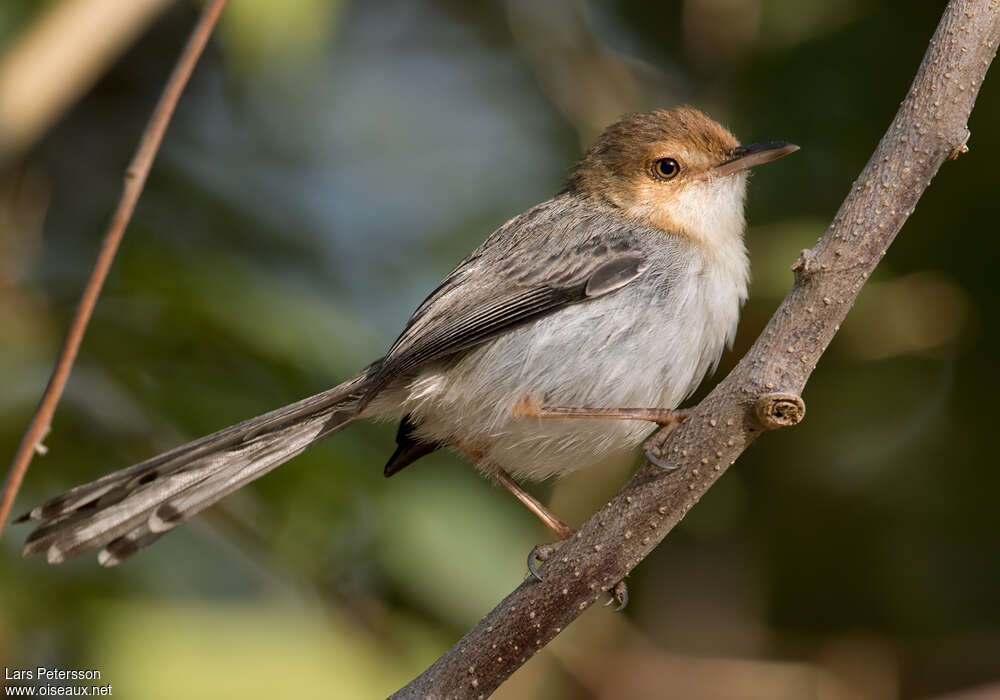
x: 129, y: 509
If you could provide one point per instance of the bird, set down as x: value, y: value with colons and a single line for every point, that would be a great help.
x: 561, y: 341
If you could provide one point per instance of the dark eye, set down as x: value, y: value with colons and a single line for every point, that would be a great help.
x: 666, y: 168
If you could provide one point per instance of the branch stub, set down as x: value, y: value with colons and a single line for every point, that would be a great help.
x: 779, y: 410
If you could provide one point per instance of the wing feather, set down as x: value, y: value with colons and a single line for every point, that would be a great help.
x: 462, y: 314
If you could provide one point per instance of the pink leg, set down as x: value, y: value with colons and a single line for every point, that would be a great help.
x: 562, y: 530
x: 529, y: 407
x: 619, y: 592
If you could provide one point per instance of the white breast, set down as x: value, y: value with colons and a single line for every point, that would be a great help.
x: 647, y: 345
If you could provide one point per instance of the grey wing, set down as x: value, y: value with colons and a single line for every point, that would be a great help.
x: 477, y: 302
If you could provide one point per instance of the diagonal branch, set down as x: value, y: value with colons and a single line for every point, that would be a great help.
x: 762, y: 391
x: 135, y: 179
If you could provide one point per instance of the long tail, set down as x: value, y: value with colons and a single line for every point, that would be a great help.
x: 131, y: 508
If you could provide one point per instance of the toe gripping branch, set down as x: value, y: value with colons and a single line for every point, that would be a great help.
x: 543, y: 552
x: 652, y: 448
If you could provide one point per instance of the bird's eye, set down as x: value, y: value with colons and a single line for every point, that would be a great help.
x: 666, y: 168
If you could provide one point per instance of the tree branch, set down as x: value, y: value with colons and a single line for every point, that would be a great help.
x: 135, y: 179
x: 762, y: 391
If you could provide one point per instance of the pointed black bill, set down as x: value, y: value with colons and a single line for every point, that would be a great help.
x: 755, y: 154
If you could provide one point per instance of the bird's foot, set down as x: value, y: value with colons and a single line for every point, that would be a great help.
x: 544, y: 552
x: 650, y: 451
x: 652, y: 446
x: 541, y: 553
x: 619, y: 594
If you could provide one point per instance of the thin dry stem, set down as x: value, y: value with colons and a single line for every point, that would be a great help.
x: 135, y: 179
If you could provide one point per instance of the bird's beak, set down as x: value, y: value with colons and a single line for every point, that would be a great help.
x: 755, y: 154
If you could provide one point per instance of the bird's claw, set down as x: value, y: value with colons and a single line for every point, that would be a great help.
x: 657, y: 460
x: 679, y: 416
x: 619, y: 594
x: 544, y: 552
x: 540, y: 552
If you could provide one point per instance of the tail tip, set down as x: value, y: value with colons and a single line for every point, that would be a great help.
x: 107, y: 559
x: 54, y: 555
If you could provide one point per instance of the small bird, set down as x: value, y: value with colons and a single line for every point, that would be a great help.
x: 611, y: 300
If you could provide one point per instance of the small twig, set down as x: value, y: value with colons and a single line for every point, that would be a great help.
x: 135, y: 179
x: 762, y: 392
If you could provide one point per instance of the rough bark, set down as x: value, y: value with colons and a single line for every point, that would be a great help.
x: 762, y: 392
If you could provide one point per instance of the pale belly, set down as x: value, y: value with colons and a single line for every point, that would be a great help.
x: 630, y: 349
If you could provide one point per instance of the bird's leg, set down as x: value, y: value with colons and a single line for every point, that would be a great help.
x: 542, y: 552
x: 562, y: 530
x: 531, y: 407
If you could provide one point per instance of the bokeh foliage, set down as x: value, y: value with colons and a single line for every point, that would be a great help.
x: 328, y: 164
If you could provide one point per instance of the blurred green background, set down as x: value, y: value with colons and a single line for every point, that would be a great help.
x: 330, y: 161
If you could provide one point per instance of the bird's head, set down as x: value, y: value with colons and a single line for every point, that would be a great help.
x: 677, y: 170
